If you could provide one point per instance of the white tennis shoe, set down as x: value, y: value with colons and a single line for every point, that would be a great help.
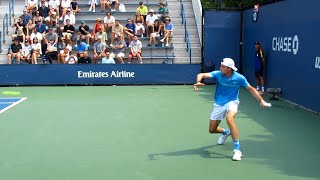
x: 237, y: 155
x: 223, y: 138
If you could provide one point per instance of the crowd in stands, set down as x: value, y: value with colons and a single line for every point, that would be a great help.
x: 47, y: 31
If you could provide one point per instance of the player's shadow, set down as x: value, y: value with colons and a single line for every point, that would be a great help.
x: 202, y: 152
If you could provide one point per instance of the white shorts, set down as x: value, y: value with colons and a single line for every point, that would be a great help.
x: 219, y: 112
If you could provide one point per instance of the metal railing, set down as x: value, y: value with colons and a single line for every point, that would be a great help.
x: 11, y: 10
x: 186, y: 33
x: 0, y: 42
x: 5, y: 27
x: 197, y: 9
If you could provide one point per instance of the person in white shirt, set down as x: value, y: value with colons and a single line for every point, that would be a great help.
x: 108, y: 21
x: 71, y: 59
x: 26, y: 51
x: 54, y: 6
x: 32, y: 6
x: 107, y: 59
x: 65, y: 5
x: 151, y: 17
x: 36, y: 50
x: 69, y: 16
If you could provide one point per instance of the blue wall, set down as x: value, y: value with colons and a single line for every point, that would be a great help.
x: 57, y: 74
x: 221, y: 37
x: 290, y: 36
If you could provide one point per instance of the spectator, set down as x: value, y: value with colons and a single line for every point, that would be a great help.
x: 81, y: 48
x: 20, y: 36
x: 109, y: 21
x: 26, y: 52
x: 52, y: 50
x: 138, y: 17
x: 53, y: 21
x: 98, y: 48
x: 93, y: 5
x: 41, y: 28
x: 69, y: 16
x: 26, y: 17
x: 135, y: 49
x: 119, y: 49
x: 162, y: 9
x: 32, y: 6
x: 35, y: 34
x: 130, y: 30
x: 96, y: 28
x: 37, y: 18
x: 65, y: 52
x: 158, y: 31
x: 29, y: 28
x: 151, y: 17
x: 85, y: 59
x: 67, y: 31
x: 84, y: 32
x: 168, y: 30
x: 71, y: 59
x: 101, y: 34
x: 139, y: 29
x: 14, y: 51
x: 112, y: 5
x: 54, y: 5
x: 143, y: 10
x: 107, y: 59
x: 36, y: 50
x: 17, y: 24
x: 163, y: 17
x: 75, y: 7
x: 65, y: 6
x: 43, y: 10
x: 117, y: 30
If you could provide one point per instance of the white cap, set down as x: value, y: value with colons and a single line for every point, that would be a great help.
x: 229, y: 63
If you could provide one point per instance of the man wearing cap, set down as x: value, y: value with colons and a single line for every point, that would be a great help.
x: 143, y: 10
x: 151, y: 17
x: 226, y: 101
x: 259, y: 67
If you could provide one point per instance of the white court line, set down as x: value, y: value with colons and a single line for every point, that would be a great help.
x: 13, y: 104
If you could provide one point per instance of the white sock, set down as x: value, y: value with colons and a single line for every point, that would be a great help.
x: 258, y: 88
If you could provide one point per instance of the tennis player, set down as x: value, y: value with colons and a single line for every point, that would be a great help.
x: 227, y: 101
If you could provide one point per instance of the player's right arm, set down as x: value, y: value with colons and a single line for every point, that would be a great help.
x: 201, y: 76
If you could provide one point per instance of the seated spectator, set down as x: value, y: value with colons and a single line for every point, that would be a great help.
x: 65, y: 52
x: 119, y: 49
x: 75, y: 7
x: 138, y: 18
x: 32, y: 6
x: 98, y: 48
x: 135, y: 49
x: 54, y: 5
x: 151, y: 17
x: 107, y: 59
x: 117, y: 30
x: 112, y: 5
x: 162, y: 9
x: 67, y: 31
x: 53, y: 21
x: 109, y: 21
x: 69, y: 16
x: 26, y: 52
x: 26, y: 17
x: 158, y: 31
x: 20, y: 36
x: 18, y: 24
x: 84, y: 32
x: 93, y: 4
x: 71, y: 59
x: 14, y: 51
x: 41, y: 28
x: 85, y: 59
x: 163, y: 17
x: 43, y: 10
x: 35, y: 34
x: 29, y: 28
x: 143, y: 10
x: 96, y: 28
x: 130, y: 30
x: 36, y: 50
x: 101, y: 34
x: 81, y: 48
x: 37, y: 18
x: 52, y: 50
x: 168, y: 30
x: 65, y: 6
x: 139, y: 29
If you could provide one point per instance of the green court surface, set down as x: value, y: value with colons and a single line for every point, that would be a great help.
x: 150, y: 133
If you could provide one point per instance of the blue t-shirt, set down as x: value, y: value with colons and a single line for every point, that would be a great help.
x: 82, y: 47
x: 228, y: 88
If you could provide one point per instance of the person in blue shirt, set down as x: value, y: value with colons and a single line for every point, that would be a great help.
x: 81, y: 47
x: 227, y: 101
x: 259, y: 66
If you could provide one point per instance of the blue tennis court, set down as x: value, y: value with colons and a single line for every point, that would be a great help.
x: 7, y: 103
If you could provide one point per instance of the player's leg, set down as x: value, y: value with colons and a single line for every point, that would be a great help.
x: 217, y: 115
x: 230, y: 118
